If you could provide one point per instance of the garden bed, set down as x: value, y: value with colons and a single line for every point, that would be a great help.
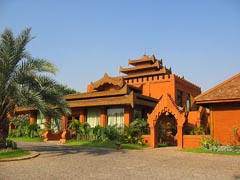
x: 200, y: 150
x: 25, y: 139
x: 12, y: 153
x: 103, y: 144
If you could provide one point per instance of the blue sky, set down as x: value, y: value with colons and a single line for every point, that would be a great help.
x: 200, y: 40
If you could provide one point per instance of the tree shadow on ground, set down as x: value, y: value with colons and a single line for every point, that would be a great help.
x: 61, y: 150
x: 236, y: 177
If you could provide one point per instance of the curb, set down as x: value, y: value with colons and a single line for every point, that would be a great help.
x: 32, y: 154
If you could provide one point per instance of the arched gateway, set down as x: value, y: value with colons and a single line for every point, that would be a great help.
x: 166, y: 105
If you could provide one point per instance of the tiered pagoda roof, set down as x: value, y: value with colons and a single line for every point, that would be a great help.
x: 144, y: 60
x: 147, y: 65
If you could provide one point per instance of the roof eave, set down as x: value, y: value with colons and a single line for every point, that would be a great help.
x: 209, y: 101
x: 95, y: 94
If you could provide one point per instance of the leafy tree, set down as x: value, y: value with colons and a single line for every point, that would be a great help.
x: 24, y: 80
x: 65, y: 89
x: 20, y: 120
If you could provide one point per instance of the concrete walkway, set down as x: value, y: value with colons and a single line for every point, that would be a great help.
x: 64, y: 162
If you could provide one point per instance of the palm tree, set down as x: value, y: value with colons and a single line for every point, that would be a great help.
x: 25, y: 81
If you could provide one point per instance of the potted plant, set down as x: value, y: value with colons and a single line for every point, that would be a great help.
x: 118, y: 145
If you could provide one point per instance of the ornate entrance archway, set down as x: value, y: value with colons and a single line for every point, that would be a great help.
x: 167, y: 129
x: 166, y: 105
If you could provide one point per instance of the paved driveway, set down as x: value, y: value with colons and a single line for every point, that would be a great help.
x: 58, y: 162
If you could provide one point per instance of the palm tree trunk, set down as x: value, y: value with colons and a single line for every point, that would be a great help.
x: 3, y: 127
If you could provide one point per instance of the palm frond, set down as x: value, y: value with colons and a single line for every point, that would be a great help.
x: 24, y: 80
x: 36, y: 65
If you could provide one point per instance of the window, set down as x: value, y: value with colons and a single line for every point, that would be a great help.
x: 115, y: 117
x: 188, y: 102
x: 179, y: 98
x: 93, y: 117
x: 56, y: 124
x: 41, y: 121
x: 137, y: 114
x: 76, y: 116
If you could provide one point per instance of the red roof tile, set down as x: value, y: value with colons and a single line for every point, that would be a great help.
x: 227, y: 91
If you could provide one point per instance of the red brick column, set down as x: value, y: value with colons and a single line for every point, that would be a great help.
x: 65, y: 133
x: 33, y: 117
x: 103, y: 116
x: 181, y: 119
x: 153, y: 137
x: 82, y: 117
x: 128, y: 113
x: 180, y: 136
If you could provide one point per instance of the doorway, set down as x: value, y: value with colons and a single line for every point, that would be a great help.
x: 167, y: 130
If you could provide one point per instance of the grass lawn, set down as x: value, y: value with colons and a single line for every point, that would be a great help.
x: 9, y: 153
x: 198, y: 150
x: 25, y: 139
x: 103, y: 144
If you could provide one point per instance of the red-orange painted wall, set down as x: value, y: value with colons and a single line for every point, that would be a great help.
x: 157, y: 85
x: 154, y: 86
x: 192, y: 141
x: 224, y: 118
x: 186, y: 87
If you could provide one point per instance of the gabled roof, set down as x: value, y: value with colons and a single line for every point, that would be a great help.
x: 107, y: 98
x: 144, y: 59
x: 162, y: 71
x: 128, y: 99
x: 166, y: 104
x: 94, y: 94
x: 227, y: 91
x: 127, y: 95
x: 154, y: 66
x: 106, y: 79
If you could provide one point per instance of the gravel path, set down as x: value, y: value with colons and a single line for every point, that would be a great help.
x: 57, y: 162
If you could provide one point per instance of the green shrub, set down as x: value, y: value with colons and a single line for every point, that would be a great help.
x: 83, y: 131
x: 112, y: 132
x: 23, y: 128
x: 8, y: 144
x: 98, y: 133
x: 208, y: 142
x: 225, y: 149
x: 2, y: 144
x: 74, y: 126
x: 163, y: 144
x: 198, y: 131
x: 29, y: 130
x: 32, y: 130
x: 133, y: 133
